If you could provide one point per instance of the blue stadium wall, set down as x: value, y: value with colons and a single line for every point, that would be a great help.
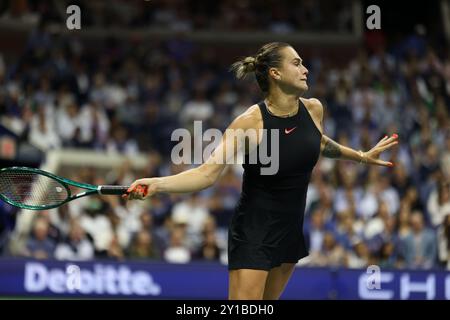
x: 106, y: 279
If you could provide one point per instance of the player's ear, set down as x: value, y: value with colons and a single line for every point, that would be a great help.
x: 274, y: 73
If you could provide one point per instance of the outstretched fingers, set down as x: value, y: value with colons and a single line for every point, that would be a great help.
x: 383, y: 163
x: 382, y: 140
x: 382, y: 145
x: 387, y: 146
x: 387, y: 140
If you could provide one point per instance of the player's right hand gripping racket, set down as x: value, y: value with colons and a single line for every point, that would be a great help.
x: 35, y: 189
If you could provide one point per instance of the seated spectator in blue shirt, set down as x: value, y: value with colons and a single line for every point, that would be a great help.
x: 419, y: 246
x: 315, y: 229
x: 40, y: 245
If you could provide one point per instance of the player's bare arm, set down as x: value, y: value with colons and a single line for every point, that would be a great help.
x: 208, y: 173
x: 331, y: 149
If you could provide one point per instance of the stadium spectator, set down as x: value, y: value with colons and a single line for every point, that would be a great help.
x: 40, y: 245
x: 444, y: 242
x: 77, y: 247
x: 439, y: 203
x: 419, y: 246
x: 209, y: 249
x: 178, y: 250
x: 360, y: 257
x: 194, y: 211
x: 331, y: 254
x: 143, y: 246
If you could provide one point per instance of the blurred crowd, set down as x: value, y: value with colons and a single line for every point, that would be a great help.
x: 187, y: 15
x: 127, y: 98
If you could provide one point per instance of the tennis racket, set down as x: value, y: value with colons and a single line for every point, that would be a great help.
x: 35, y: 189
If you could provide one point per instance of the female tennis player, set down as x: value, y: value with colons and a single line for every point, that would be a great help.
x: 265, y: 235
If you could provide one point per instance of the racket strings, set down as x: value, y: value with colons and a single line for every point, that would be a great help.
x: 31, y: 189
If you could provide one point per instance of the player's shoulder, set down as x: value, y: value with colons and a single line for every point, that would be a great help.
x: 314, y: 106
x: 249, y: 118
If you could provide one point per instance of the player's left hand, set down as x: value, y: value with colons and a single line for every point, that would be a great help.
x: 372, y: 156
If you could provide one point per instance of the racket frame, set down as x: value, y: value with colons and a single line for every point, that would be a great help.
x: 90, y: 188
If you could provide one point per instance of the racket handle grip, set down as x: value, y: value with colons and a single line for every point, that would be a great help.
x: 113, y: 190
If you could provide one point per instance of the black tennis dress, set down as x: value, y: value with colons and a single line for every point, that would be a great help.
x: 266, y: 229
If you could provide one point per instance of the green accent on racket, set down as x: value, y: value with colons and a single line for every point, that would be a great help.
x: 35, y: 189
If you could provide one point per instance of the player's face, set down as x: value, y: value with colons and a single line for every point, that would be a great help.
x: 292, y: 71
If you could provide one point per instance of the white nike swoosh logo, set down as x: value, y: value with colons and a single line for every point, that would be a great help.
x: 287, y: 131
